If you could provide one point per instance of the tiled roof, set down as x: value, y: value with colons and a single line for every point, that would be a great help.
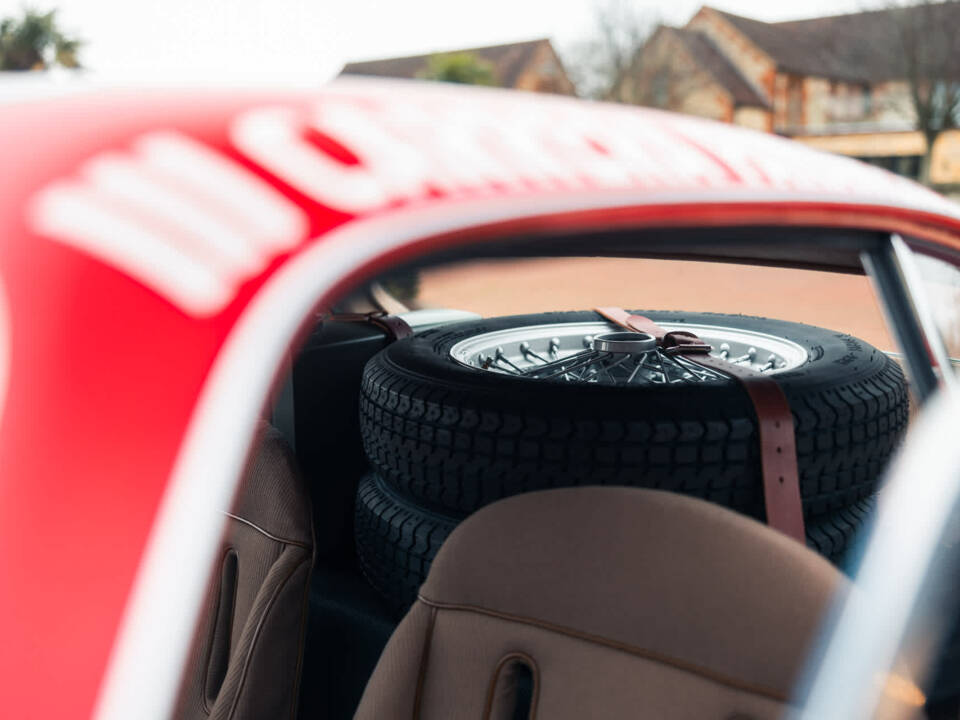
x: 709, y: 58
x: 508, y: 62
x: 860, y: 47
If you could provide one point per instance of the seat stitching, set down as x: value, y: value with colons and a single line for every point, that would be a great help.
x: 265, y: 533
x: 256, y: 635
x: 422, y: 671
x: 653, y: 655
x: 207, y: 709
x: 304, y: 612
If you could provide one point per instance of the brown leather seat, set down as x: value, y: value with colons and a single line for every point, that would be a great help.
x: 246, y: 660
x: 622, y: 603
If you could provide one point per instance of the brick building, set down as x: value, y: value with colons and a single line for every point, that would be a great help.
x: 533, y: 65
x: 834, y: 82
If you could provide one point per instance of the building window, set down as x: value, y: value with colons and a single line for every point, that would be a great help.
x: 794, y: 101
x: 836, y: 106
x: 906, y: 165
x: 548, y: 85
x: 661, y: 89
x: 548, y: 68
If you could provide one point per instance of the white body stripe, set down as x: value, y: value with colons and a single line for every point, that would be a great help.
x: 207, y: 235
x: 178, y: 217
x: 237, y: 195
x: 77, y: 216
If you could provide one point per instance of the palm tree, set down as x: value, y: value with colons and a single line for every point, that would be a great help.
x: 34, y: 42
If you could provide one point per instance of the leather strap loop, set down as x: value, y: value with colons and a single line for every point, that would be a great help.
x: 778, y: 451
x: 395, y: 327
x: 686, y: 343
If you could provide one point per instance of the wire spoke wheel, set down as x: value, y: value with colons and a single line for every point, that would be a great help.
x: 602, y: 353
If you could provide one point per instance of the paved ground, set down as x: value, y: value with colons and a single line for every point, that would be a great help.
x: 839, y: 302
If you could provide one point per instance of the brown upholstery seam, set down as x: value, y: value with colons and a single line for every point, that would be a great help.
x: 213, y: 629
x: 256, y: 635
x: 304, y: 611
x: 422, y: 671
x: 295, y: 705
x: 677, y: 663
x: 535, y: 692
x: 285, y: 541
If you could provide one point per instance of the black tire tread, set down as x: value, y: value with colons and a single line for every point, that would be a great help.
x: 432, y: 441
x: 396, y: 542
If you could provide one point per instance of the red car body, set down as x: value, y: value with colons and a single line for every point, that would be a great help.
x: 160, y: 250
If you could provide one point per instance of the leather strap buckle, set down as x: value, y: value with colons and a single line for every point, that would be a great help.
x: 679, y: 341
x: 775, y: 431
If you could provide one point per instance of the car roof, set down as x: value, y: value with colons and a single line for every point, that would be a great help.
x: 507, y: 143
x: 161, y: 247
x: 364, y: 146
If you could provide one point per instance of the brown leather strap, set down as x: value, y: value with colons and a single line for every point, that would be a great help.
x: 778, y: 451
x: 637, y: 323
x: 395, y: 327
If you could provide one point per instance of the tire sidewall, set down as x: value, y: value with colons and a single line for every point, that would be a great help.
x: 832, y: 358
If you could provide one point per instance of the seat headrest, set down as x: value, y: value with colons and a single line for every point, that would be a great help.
x: 655, y: 573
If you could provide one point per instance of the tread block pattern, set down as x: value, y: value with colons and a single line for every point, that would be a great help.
x: 434, y: 444
x: 396, y: 542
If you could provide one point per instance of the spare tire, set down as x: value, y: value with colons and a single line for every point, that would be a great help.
x: 397, y: 540
x: 452, y: 430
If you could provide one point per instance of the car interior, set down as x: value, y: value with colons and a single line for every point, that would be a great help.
x: 392, y: 553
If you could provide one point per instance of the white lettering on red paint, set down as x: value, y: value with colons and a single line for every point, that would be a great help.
x: 177, y: 216
x: 412, y: 147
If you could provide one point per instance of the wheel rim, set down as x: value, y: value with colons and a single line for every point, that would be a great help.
x: 599, y: 352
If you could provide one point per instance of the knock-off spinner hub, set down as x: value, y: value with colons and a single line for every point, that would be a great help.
x: 635, y: 343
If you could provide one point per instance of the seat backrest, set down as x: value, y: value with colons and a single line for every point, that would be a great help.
x: 245, y: 662
x: 616, y: 602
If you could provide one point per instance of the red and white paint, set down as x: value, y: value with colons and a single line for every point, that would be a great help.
x: 180, y: 218
x: 159, y: 251
x: 4, y: 346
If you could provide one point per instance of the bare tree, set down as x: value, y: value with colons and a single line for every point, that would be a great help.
x: 630, y: 58
x: 603, y: 64
x: 926, y: 54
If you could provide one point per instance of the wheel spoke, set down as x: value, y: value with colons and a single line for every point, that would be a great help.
x: 597, y: 352
x: 588, y: 357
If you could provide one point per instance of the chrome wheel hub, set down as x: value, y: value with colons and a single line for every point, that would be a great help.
x: 599, y: 352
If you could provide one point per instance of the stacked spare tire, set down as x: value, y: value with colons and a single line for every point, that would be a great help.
x: 458, y: 417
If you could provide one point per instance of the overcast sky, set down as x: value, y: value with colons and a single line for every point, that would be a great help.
x: 306, y: 41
